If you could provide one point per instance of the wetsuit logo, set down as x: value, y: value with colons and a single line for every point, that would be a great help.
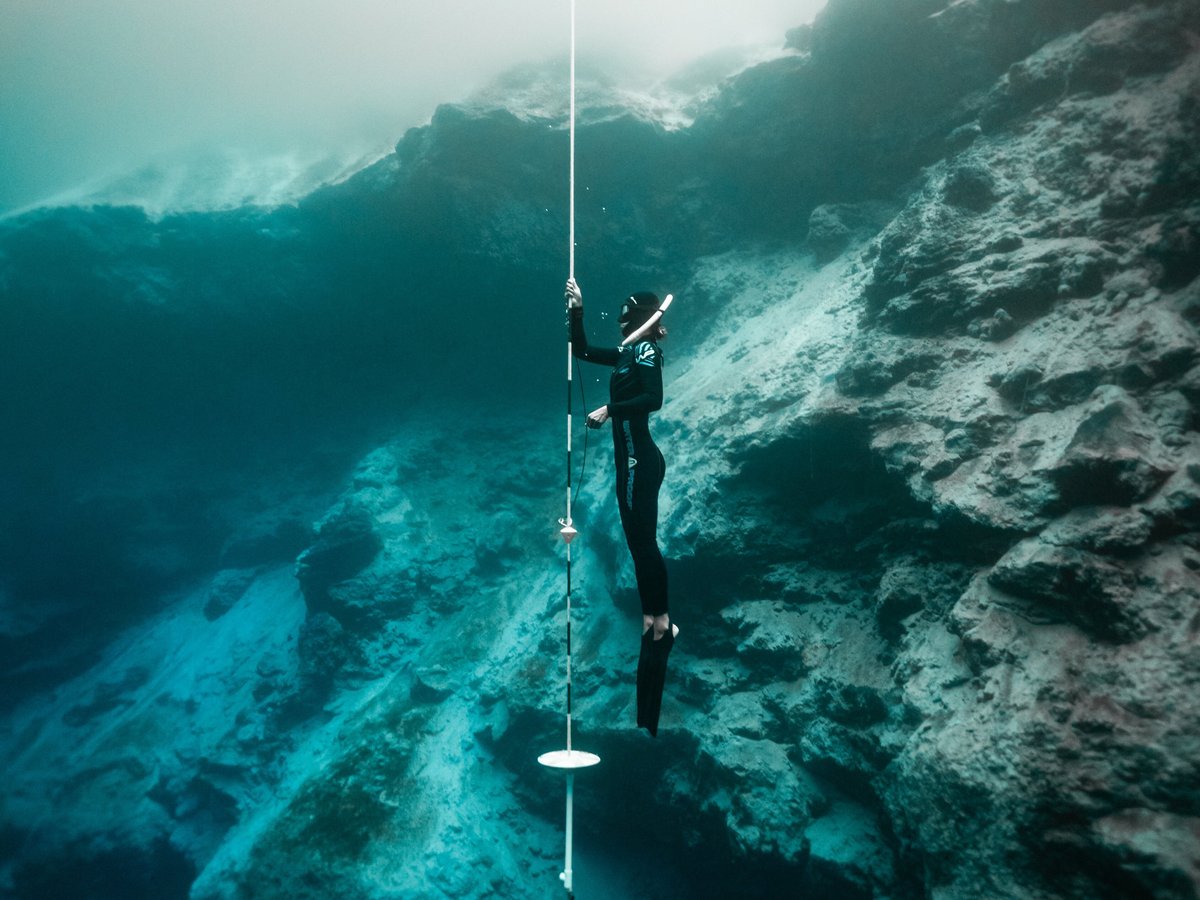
x: 632, y: 462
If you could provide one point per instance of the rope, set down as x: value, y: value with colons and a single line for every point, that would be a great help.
x: 569, y: 760
x: 568, y: 535
x: 571, y: 177
x: 583, y: 458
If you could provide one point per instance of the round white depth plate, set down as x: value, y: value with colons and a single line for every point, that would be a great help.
x: 568, y: 759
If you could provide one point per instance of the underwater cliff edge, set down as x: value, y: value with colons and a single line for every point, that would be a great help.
x: 280, y: 582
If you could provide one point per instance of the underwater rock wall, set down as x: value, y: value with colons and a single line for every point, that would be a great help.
x: 930, y: 515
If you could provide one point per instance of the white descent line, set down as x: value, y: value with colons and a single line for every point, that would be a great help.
x: 571, y: 168
x: 569, y: 760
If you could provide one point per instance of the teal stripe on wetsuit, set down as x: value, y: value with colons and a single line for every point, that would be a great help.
x: 635, y: 391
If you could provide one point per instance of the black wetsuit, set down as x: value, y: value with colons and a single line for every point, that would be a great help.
x: 635, y: 391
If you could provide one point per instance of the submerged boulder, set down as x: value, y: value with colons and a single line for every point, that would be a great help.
x: 1093, y: 591
x: 1114, y: 455
x: 346, y: 543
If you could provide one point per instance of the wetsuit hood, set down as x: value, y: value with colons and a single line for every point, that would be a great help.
x: 636, y: 310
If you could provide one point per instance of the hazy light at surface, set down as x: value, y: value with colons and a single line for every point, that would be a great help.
x: 95, y: 88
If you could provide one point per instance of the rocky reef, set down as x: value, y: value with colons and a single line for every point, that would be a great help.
x: 282, y: 588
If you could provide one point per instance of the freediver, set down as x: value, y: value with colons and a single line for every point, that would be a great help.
x: 635, y: 390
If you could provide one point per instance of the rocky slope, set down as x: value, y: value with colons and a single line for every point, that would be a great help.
x: 931, y: 511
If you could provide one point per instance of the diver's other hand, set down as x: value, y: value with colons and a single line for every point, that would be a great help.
x: 573, y: 295
x: 597, y: 417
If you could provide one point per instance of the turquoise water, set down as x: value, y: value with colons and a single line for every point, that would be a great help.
x: 281, y: 593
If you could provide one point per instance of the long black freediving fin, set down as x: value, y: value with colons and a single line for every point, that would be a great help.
x: 652, y: 677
